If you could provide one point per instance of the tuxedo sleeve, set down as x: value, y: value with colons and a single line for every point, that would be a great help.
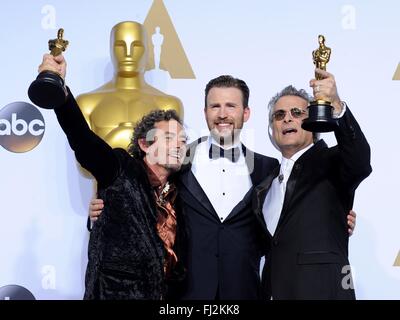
x: 354, y: 152
x: 93, y: 153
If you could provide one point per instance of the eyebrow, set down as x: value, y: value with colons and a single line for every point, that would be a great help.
x: 171, y: 133
x: 218, y: 104
x: 184, y: 136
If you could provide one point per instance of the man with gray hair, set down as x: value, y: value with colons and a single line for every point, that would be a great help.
x: 302, y: 205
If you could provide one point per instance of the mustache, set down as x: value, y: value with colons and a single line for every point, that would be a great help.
x: 178, y: 153
x: 224, y: 121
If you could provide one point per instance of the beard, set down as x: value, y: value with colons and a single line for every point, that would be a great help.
x: 172, y: 168
x: 226, y: 138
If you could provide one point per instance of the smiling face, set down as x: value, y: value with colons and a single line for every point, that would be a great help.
x: 287, y: 133
x: 225, y: 113
x: 169, y: 146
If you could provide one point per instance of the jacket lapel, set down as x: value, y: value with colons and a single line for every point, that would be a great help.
x: 242, y: 204
x: 259, y: 195
x: 252, y: 165
x: 189, y: 184
x: 296, y: 186
x: 192, y: 187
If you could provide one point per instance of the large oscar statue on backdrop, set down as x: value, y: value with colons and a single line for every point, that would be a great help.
x: 320, y: 111
x: 48, y: 90
x: 114, y: 108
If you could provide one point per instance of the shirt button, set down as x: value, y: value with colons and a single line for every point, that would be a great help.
x: 275, y: 242
x: 223, y: 193
x: 223, y: 170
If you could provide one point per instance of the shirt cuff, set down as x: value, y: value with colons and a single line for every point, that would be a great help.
x: 344, y: 108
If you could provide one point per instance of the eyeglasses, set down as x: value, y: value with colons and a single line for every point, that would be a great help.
x: 295, y: 112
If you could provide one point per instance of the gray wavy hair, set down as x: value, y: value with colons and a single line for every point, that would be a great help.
x: 289, y: 91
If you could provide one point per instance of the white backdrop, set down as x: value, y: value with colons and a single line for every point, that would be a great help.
x: 44, y: 198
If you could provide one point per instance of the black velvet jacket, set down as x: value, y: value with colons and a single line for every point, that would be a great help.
x: 125, y: 252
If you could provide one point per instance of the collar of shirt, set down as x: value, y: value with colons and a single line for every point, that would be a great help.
x: 274, y: 200
x: 155, y: 182
x: 211, y: 140
x: 153, y: 179
x: 224, y: 182
x: 298, y: 154
x: 287, y: 164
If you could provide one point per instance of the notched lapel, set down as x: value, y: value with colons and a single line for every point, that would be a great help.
x: 242, y: 204
x: 306, y: 171
x: 259, y: 195
x: 190, y: 185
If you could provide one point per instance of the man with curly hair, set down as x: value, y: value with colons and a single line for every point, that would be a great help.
x: 132, y: 247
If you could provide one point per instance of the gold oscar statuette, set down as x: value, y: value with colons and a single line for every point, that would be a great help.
x: 48, y: 90
x: 320, y: 111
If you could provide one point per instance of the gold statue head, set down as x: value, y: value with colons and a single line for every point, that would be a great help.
x: 60, y: 33
x: 321, y: 40
x: 128, y: 46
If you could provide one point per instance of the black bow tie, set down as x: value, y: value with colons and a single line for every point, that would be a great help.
x: 217, y: 152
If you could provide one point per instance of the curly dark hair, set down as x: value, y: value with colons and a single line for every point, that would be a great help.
x: 146, y: 124
x: 227, y: 81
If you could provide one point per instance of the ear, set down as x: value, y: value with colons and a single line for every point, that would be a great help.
x: 143, y: 145
x: 271, y: 136
x: 246, y: 114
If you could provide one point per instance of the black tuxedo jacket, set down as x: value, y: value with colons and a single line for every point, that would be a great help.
x: 307, y: 258
x: 222, y: 258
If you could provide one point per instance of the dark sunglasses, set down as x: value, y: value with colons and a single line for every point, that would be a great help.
x: 296, y: 113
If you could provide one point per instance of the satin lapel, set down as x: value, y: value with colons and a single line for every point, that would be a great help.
x: 254, y: 165
x: 303, y: 176
x: 251, y: 165
x: 259, y: 195
x: 189, y: 182
x: 192, y: 186
x: 290, y: 190
x: 241, y: 205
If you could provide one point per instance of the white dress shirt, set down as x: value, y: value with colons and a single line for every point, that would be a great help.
x: 224, y: 182
x: 273, y: 203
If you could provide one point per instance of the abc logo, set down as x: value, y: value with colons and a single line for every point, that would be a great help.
x: 14, y: 292
x: 21, y: 127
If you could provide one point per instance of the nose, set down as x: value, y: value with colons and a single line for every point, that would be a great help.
x: 129, y: 49
x: 179, y: 144
x: 222, y: 114
x: 288, y: 117
x: 181, y: 147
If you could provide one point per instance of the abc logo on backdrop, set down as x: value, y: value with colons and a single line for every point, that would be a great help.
x: 21, y: 127
x: 15, y: 292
